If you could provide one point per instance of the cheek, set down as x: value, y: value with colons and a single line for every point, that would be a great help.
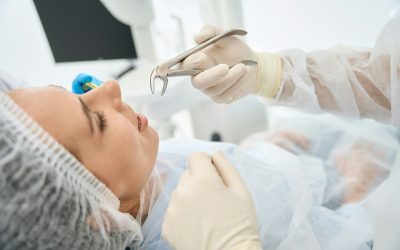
x: 124, y: 158
x: 136, y: 153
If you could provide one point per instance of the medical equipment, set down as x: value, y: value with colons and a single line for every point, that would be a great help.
x: 88, y: 86
x: 49, y: 200
x: 64, y: 28
x: 84, y: 83
x: 163, y: 71
x: 138, y: 14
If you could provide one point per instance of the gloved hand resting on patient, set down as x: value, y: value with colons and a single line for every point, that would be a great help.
x: 222, y: 227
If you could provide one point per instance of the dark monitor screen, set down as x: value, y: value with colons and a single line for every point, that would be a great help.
x: 84, y: 30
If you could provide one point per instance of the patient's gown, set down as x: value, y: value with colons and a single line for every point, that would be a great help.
x: 287, y: 190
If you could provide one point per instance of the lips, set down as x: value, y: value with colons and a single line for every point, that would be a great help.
x: 142, y: 122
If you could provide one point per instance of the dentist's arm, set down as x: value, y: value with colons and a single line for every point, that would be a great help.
x: 348, y: 81
x: 211, y: 208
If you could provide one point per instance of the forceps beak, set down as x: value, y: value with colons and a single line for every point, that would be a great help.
x: 153, y: 77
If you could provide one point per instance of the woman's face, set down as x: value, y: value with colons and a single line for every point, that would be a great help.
x: 103, y: 133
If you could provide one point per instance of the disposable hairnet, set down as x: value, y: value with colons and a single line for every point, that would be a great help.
x: 288, y: 192
x: 356, y: 82
x: 7, y: 82
x: 48, y: 200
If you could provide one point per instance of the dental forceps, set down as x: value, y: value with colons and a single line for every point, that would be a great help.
x: 165, y: 70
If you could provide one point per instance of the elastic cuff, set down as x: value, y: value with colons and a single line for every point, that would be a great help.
x: 269, y: 74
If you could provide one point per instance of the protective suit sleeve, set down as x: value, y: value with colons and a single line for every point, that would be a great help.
x: 348, y: 81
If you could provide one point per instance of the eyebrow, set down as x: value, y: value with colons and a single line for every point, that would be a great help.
x: 57, y: 86
x: 85, y: 108
x: 86, y: 111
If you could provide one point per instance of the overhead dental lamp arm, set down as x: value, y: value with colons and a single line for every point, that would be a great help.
x: 138, y: 14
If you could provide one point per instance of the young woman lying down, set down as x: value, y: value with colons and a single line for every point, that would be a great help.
x: 125, y: 175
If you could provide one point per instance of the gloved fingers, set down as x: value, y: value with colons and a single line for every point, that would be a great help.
x: 185, y: 184
x: 229, y: 95
x: 208, y: 77
x: 198, y: 60
x: 228, y: 173
x: 245, y: 85
x: 206, y: 32
x: 184, y: 180
x: 238, y: 90
x: 209, y: 31
x: 235, y: 73
x: 165, y: 232
x: 239, y: 94
x: 174, y: 199
x: 200, y: 166
x: 168, y: 223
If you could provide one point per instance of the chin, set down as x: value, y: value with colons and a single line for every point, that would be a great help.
x: 154, y: 135
x: 154, y: 140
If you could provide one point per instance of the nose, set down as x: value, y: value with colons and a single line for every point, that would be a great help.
x: 108, y: 93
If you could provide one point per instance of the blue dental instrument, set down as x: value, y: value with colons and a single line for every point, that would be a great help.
x: 84, y: 83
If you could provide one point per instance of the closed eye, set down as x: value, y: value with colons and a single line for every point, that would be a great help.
x: 102, y: 120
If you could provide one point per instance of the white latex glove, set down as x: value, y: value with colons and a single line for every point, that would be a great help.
x: 224, y: 84
x: 211, y: 208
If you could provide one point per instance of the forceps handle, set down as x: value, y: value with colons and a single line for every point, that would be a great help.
x: 162, y: 69
x: 193, y: 72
